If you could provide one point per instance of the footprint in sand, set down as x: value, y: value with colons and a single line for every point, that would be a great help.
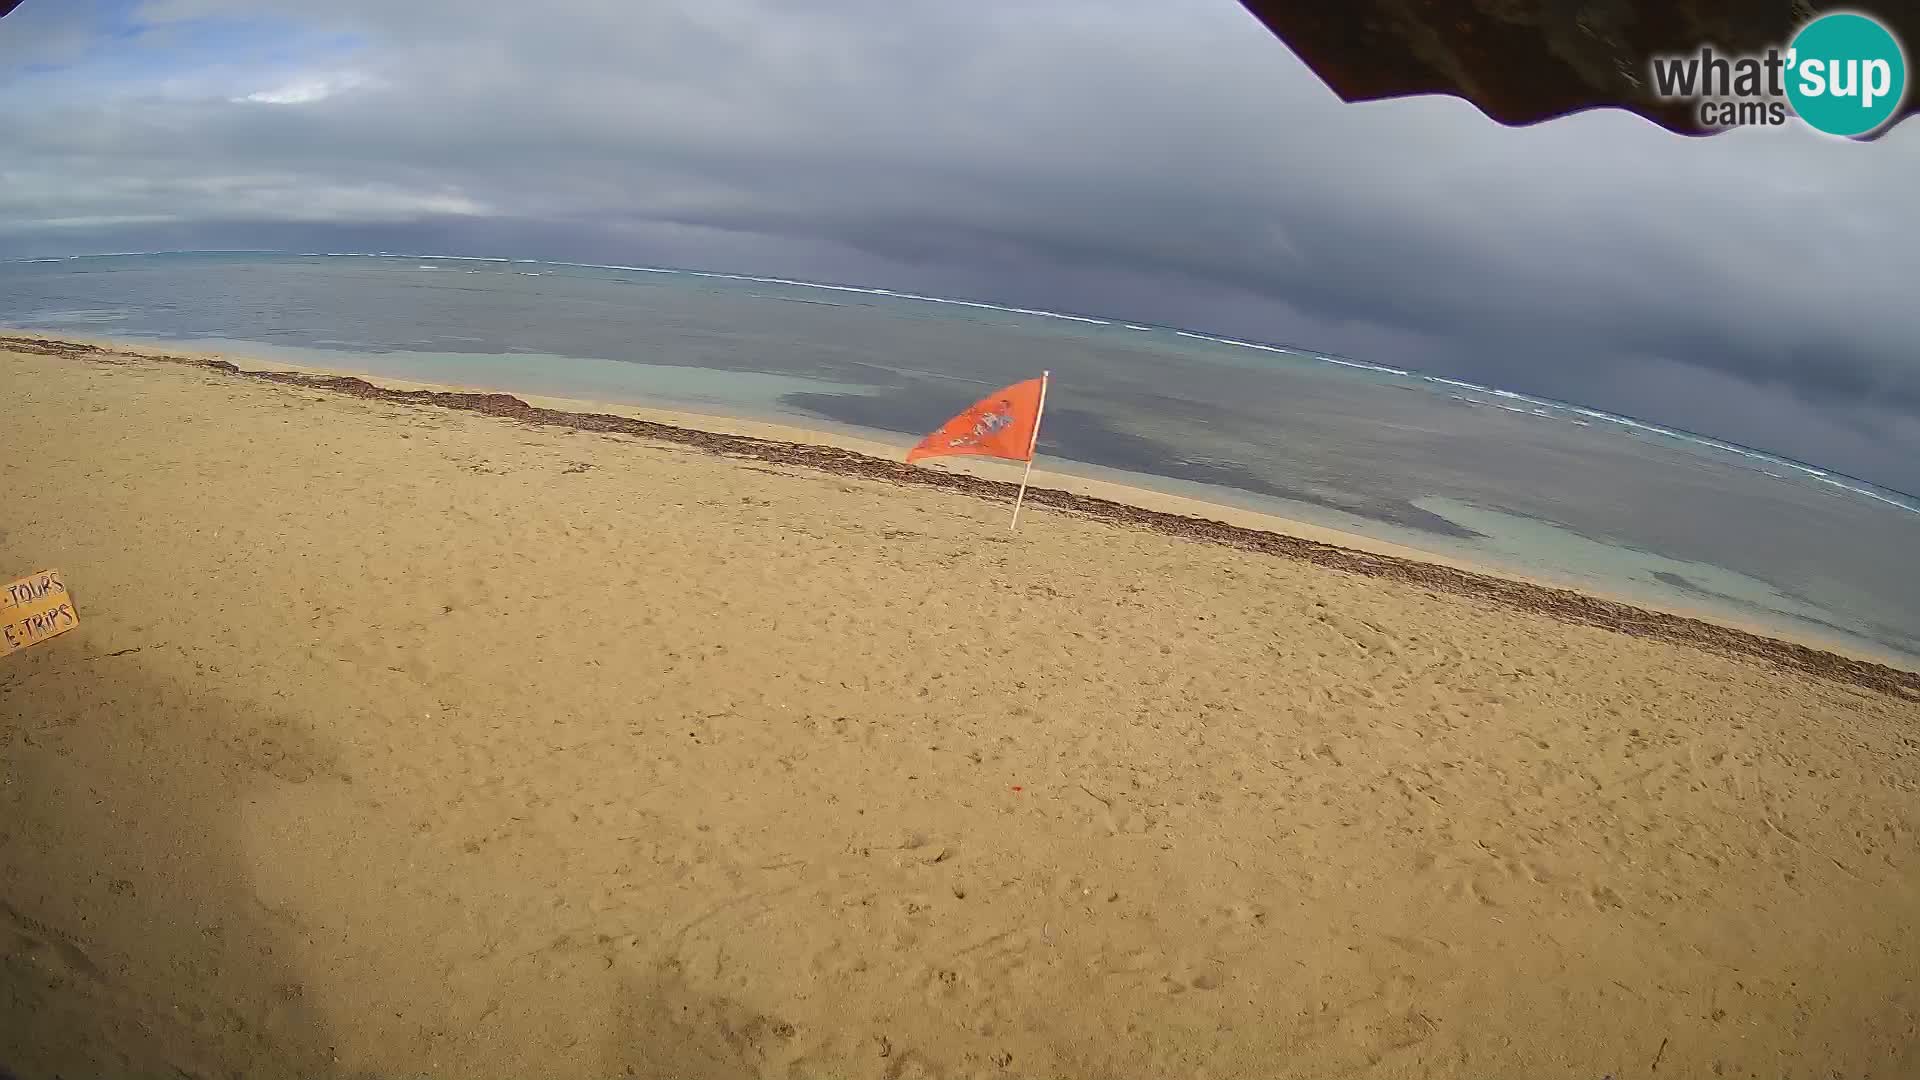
x: 36, y: 942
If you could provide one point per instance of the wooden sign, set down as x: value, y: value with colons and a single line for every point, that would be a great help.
x: 34, y: 609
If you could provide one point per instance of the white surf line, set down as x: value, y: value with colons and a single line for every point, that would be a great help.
x: 116, y: 255
x: 1684, y: 436
x: 880, y: 292
x: 1303, y: 353
x: 1366, y: 367
x: 1611, y: 418
x: 1242, y: 344
x: 144, y: 254
x: 1475, y: 387
x: 795, y: 283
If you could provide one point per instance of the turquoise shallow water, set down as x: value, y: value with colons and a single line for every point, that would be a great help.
x: 1545, y: 488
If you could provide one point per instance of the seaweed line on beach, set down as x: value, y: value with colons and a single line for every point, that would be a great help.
x: 1562, y: 604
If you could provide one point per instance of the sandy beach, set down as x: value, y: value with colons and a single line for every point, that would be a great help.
x: 406, y: 736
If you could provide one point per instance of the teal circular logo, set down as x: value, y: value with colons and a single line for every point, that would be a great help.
x: 1846, y: 74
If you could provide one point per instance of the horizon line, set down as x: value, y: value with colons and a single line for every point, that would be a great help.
x: 1817, y: 470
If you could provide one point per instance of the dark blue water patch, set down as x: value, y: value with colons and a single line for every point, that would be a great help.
x: 1075, y: 434
x: 1886, y: 636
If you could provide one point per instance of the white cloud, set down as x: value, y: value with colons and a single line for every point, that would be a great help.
x: 310, y: 88
x: 1165, y: 159
x: 168, y: 193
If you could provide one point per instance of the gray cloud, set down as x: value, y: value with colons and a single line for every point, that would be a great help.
x: 1153, y: 159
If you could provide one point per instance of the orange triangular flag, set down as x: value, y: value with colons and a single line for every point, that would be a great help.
x: 1004, y: 424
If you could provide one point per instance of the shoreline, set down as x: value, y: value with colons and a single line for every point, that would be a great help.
x: 398, y: 740
x: 1191, y: 519
x: 1139, y: 489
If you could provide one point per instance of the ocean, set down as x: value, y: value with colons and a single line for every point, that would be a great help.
x: 1545, y: 488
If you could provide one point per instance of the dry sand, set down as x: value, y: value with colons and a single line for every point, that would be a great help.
x: 399, y: 739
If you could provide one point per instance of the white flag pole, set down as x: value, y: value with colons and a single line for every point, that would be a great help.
x: 1038, y: 412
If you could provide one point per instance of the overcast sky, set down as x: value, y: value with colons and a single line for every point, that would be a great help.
x: 1162, y: 160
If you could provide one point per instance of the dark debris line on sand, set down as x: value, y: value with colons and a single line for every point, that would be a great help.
x: 1562, y: 604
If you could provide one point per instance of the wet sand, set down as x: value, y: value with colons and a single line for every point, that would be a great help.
x: 409, y: 733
